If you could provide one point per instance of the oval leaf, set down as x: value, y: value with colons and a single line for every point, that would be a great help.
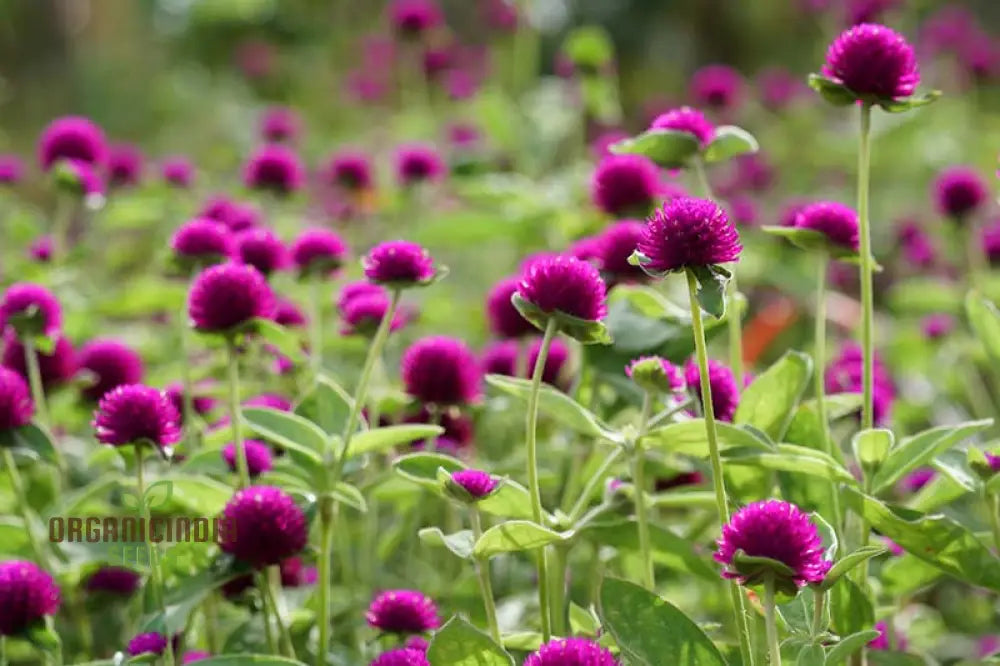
x: 769, y: 402
x: 458, y: 643
x: 792, y: 458
x: 919, y: 449
x: 689, y: 438
x: 670, y: 149
x: 383, y: 439
x: 287, y: 430
x: 459, y: 543
x: 729, y: 142
x: 516, y: 536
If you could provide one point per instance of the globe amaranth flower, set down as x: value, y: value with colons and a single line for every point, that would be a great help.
x: 261, y: 249
x: 363, y: 314
x: 743, y: 210
x: 463, y: 136
x: 318, y: 251
x: 839, y: 223
x: 439, y: 370
x: 30, y: 309
x: 11, y: 169
x: 288, y: 314
x: 403, y: 612
x: 353, y: 290
x: 202, y: 404
x: 41, y: 249
x: 274, y: 168
x: 125, y: 163
x: 753, y: 173
x: 476, y: 483
x: 201, y: 241
x: 688, y: 233
x: 56, y: 367
x: 776, y: 530
x: 868, y: 11
x: 351, y: 170
x: 111, y: 363
x: 916, y: 245
x: 718, y: 87
x: 873, y: 61
x: 555, y: 362
x: 79, y: 179
x: 844, y: 375
x: 571, y: 652
x: 503, y: 318
x: 418, y: 163
x: 267, y: 526
x: 686, y: 119
x: 258, y: 456
x: 177, y: 171
x: 16, y: 407
x: 117, y: 581
x: 191, y: 656
x: 226, y: 296
x: 618, y: 242
x: 656, y: 374
x: 938, y: 325
x: 72, y: 138
x: 398, y: 264
x: 588, y: 249
x: 134, y: 413
x: 294, y: 573
x: 881, y: 642
x: 564, y: 284
x: 778, y: 88
x: 401, y: 657
x: 280, y: 124
x: 148, y: 643
x: 242, y: 217
x: 624, y: 185
x: 27, y: 594
x: 412, y: 18
x: 725, y: 392
x: 959, y: 191
x: 218, y: 208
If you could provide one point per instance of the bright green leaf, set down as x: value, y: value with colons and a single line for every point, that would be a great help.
x: 383, y: 439
x: 769, y: 402
x: 728, y: 142
x: 670, y: 149
x: 458, y: 643
x: 459, y: 543
x: 516, y: 536
x: 919, y: 449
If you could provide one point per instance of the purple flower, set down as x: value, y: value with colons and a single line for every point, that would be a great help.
x: 959, y: 191
x: 686, y: 119
x: 463, y: 136
x: 476, y: 482
x: 27, y: 594
x: 692, y: 478
x: 656, y: 374
x: 868, y: 11
x: 16, y: 407
x: 501, y: 15
x: 192, y: 656
x: 318, y: 251
x: 353, y: 290
x: 948, y: 29
x: 403, y: 612
x: 226, y: 296
x: 839, y: 223
x: 258, y: 456
x: 618, y: 242
x: 418, y: 163
x: 689, y: 233
x: 117, y: 581
x: 30, y: 308
x: 752, y: 172
x: 398, y: 264
x: 218, y: 208
x: 718, y: 87
x: 269, y: 400
x: 588, y: 248
x: 134, y: 413
x: 242, y: 217
x: 401, y: 657
x: 873, y: 61
x: 295, y: 574
x: 275, y: 168
x: 725, y: 392
x: 458, y: 429
x: 148, y: 643
x: 743, y: 209
x: 916, y: 245
x: 11, y: 169
x: 79, y: 178
x: 989, y: 238
x: 555, y: 362
x: 124, y: 165
x: 177, y: 171
x: 776, y: 530
x: 571, y: 652
x: 412, y: 18
x: 268, y: 526
x: 987, y: 645
x: 881, y: 642
x: 280, y: 124
x: 201, y: 241
x: 937, y: 325
x: 500, y: 358
x: 778, y: 88
x: 112, y: 363
x: 71, y: 138
x: 564, y: 284
x: 917, y: 479
x: 504, y: 319
x: 202, y: 404
x: 41, y: 249
x: 625, y: 184
x: 844, y: 374
x: 288, y: 313
x: 261, y: 249
x: 440, y: 370
x: 350, y: 169
x: 363, y: 314
x: 56, y: 368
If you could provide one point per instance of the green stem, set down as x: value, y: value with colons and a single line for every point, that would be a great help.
x: 187, y: 402
x: 639, y: 481
x: 588, y: 491
x: 65, y: 207
x: 485, y: 585
x: 272, y: 581
x: 993, y: 507
x: 210, y: 613
x: 235, y: 416
x: 533, y: 487
x: 867, y: 298
x: 316, y: 324
x: 265, y: 611
x: 739, y: 605
x: 35, y: 380
x: 326, y: 554
x: 819, y: 601
x: 21, y: 506
x: 3, y: 650
x: 154, y: 553
x: 773, y: 647
x: 556, y: 565
x: 819, y: 362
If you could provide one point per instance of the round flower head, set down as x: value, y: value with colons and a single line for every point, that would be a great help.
x: 411, y: 18
x: 717, y: 87
x: 401, y: 657
x: 269, y: 400
x: 275, y: 168
x: 124, y: 165
x: 778, y: 88
x: 725, y: 392
x: 258, y: 456
x: 148, y: 643
x: 564, y: 284
x: 267, y: 526
x: 201, y: 241
x: 571, y: 652
x: 873, y: 61
x: 500, y: 358
x: 686, y: 119
x: 177, y: 171
x: 318, y: 251
x: 989, y: 239
x: 261, y: 249
x: 839, y: 223
x: 27, y: 595
x: 881, y: 642
x: 688, y: 233
x: 280, y: 124
x: 16, y: 407
x: 417, y: 163
x: 403, y: 612
x: 938, y: 325
x: 11, y: 169
x: 202, y: 404
x: 752, y: 172
x: 41, y: 249
x: 30, y: 309
x: 477, y: 483
x: 288, y: 313
x: 588, y: 248
x: 916, y: 245
x: 440, y: 370
x: 353, y: 290
x: 625, y: 184
x: 398, y: 264
x: 656, y: 374
x: 112, y: 364
x: 504, y: 319
x: 226, y: 296
x: 351, y: 170
x: 117, y: 581
x: 867, y: 11
x: 135, y: 413
x: 71, y: 138
x: 242, y: 217
x: 363, y: 314
x: 417, y: 643
x: 192, y: 656
x: 776, y: 530
x: 618, y: 242
x: 56, y: 368
x: 79, y: 179
x: 554, y: 362
x: 959, y: 191
x: 218, y: 208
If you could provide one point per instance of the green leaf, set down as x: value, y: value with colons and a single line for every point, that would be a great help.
x: 832, y: 91
x: 249, y: 660
x: 423, y: 468
x: 848, y: 645
x: 791, y: 458
x: 811, y: 240
x: 287, y: 430
x: 669, y: 549
x: 647, y: 628
x: 712, y: 283
x: 459, y: 543
x: 582, y: 621
x: 848, y: 562
x: 689, y: 438
x: 670, y: 149
x: 511, y: 500
x: 850, y: 609
x: 279, y: 337
x: 730, y: 141
x: 985, y: 321
x: 43, y: 635
x: 515, y: 536
x: 327, y: 405
x: 906, y: 574
x: 918, y: 295
x: 589, y: 47
x: 383, y: 439
x: 558, y: 406
x: 919, y: 449
x: 769, y: 402
x: 200, y: 495
x: 811, y: 655
x: 458, y: 643
x: 350, y: 495
x: 914, y: 102
x: 585, y: 331
x: 32, y: 438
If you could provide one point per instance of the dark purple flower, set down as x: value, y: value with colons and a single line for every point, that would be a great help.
x: 743, y: 210
x: 959, y: 191
x: 124, y: 165
x: 881, y: 642
x: 917, y: 479
x: 401, y: 657
x: 275, y: 168
x: 218, y: 208
x: 463, y: 136
x: 27, y: 594
x: 686, y: 119
x: 280, y: 124
x: 555, y: 362
x: 242, y: 217
x: 79, y: 178
x: 318, y: 251
x: 403, y: 612
x: 177, y: 171
x: 778, y: 87
x: 258, y: 455
x: 56, y: 368
x: 839, y: 223
x: 11, y: 169
x: 363, y: 314
x: 112, y: 363
x: 267, y: 526
x: 776, y: 530
x: 16, y: 407
x: 564, y: 284
x: 718, y: 87
x: 201, y: 241
x: 500, y: 358
x: 288, y: 313
x: 873, y: 61
x: 262, y: 249
x: 476, y: 482
x: 440, y: 370
x: 692, y: 478
x: 41, y: 249
x: 689, y: 233
x: 226, y: 296
x: 504, y: 319
x: 353, y: 290
x: 30, y: 308
x: 501, y: 15
x: 398, y: 264
x: 844, y: 374
x: 948, y: 29
x: 867, y: 11
x: 417, y: 643
x: 148, y: 643
x: 571, y: 652
x: 725, y: 392
x: 71, y: 138
x: 588, y: 248
x: 916, y: 245
x: 989, y: 238
x: 655, y: 373
x: 192, y: 656
x: 623, y: 185
x: 412, y: 18
x: 350, y: 169
x: 269, y: 400
x: 294, y: 573
x: 417, y: 163
x: 618, y: 242
x: 202, y: 404
x: 937, y: 325
x: 134, y: 413
x: 117, y: 581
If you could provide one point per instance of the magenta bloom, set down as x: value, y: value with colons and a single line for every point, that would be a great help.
x: 501, y: 15
x: 881, y: 642
x: 16, y: 407
x: 398, y: 264
x: 117, y: 581
x: 27, y: 594
x: 295, y: 574
x: 917, y: 479
x: 350, y: 169
x: 442, y: 371
x: 318, y: 251
x: 500, y: 358
x: 112, y: 364
x: 258, y: 456
x: 588, y: 248
x: 71, y: 138
x: 916, y: 245
x: 202, y: 404
x: 403, y: 612
x: 476, y: 482
x: 692, y: 478
x: 11, y: 169
x: 554, y: 362
x: 725, y: 392
x: 776, y: 530
x: 177, y: 171
x: 79, y: 178
x: 618, y: 242
x: 56, y: 368
x: 274, y: 168
x: 718, y: 87
x: 571, y: 652
x: 689, y: 233
x: 148, y: 643
x: 839, y: 223
x: 134, y: 413
x: 844, y: 374
x: 268, y: 526
x: 402, y: 657
x: 868, y: 11
x: 201, y: 241
x: 218, y: 208
x: 564, y: 284
x: 226, y: 296
x: 280, y: 124
x: 288, y: 313
x: 873, y: 61
x: 938, y: 325
x: 124, y: 165
x: 989, y: 239
x: 41, y: 249
x: 30, y: 308
x: 959, y: 191
x: 363, y: 314
x: 624, y: 185
x: 354, y: 290
x: 269, y: 400
x: 504, y: 319
x: 686, y: 119
x: 261, y: 249
x: 412, y: 18
x: 192, y: 656
x: 242, y: 217
x: 417, y: 163
x: 778, y: 88
x: 655, y: 373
